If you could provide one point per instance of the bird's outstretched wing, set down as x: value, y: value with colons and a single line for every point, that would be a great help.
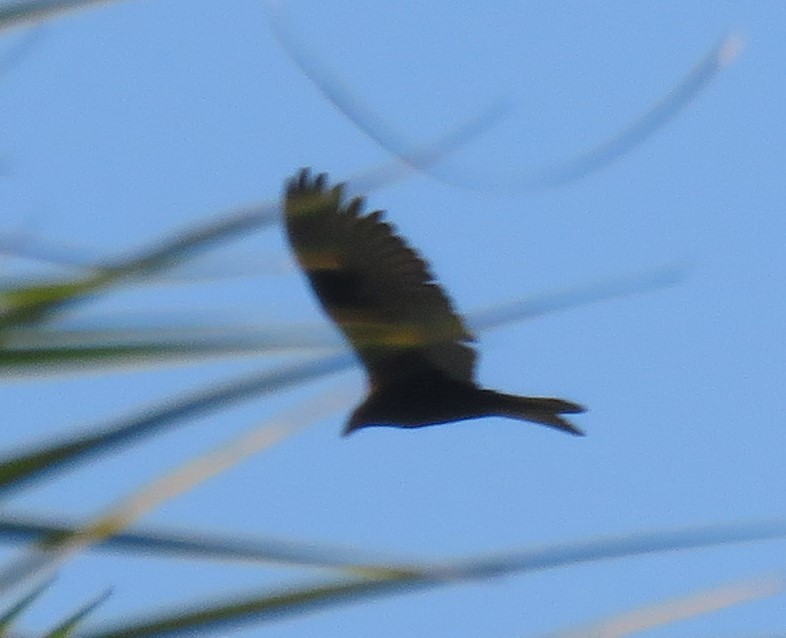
x: 376, y: 288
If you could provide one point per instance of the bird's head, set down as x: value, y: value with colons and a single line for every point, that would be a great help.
x: 367, y: 414
x: 356, y: 421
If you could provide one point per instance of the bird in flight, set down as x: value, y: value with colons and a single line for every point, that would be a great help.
x: 414, y: 346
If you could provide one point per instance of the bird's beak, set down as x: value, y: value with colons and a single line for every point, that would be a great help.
x: 349, y: 428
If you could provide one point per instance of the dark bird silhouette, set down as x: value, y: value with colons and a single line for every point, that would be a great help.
x: 401, y: 324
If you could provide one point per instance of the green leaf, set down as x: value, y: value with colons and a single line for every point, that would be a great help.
x: 36, y: 303
x: 48, y: 350
x: 33, y: 303
x: 52, y: 350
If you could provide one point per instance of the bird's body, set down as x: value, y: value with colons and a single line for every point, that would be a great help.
x: 414, y: 346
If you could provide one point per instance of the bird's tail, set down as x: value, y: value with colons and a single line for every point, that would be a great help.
x: 546, y: 411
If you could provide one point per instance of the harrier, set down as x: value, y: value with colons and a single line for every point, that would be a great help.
x: 414, y: 346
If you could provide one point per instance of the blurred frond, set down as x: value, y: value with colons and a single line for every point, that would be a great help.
x: 8, y: 617
x: 655, y: 615
x: 580, y: 165
x: 42, y: 350
x: 190, y: 619
x: 46, y: 557
x: 181, y: 544
x: 35, y: 303
x: 68, y: 626
x: 18, y: 470
x: 19, y: 50
x: 13, y: 14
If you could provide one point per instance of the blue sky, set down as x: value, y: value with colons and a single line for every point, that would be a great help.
x: 131, y: 120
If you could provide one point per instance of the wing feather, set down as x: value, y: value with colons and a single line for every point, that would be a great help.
x: 376, y: 288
